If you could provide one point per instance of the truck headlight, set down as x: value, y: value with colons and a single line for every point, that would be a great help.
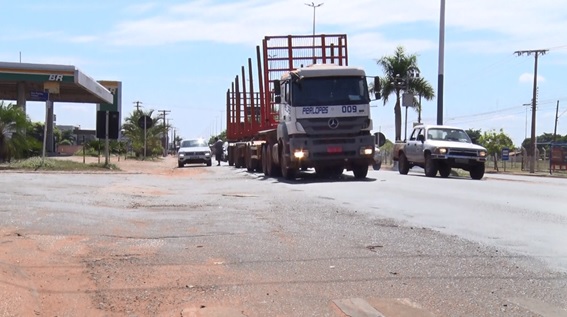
x: 300, y: 154
x: 181, y: 154
x: 482, y: 153
x: 207, y: 153
x: 442, y: 150
x: 366, y: 151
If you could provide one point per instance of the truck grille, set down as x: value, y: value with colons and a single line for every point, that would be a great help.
x: 346, y: 126
x: 462, y: 152
x: 195, y: 153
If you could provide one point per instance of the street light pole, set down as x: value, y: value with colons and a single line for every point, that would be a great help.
x: 314, y: 6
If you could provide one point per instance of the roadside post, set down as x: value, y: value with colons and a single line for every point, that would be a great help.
x: 505, y: 156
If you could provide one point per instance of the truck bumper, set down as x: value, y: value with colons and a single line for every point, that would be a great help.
x: 460, y: 161
x: 332, y: 150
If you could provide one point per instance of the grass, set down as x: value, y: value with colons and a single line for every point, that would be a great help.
x: 37, y: 164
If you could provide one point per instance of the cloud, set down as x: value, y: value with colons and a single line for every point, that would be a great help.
x: 83, y: 39
x: 73, y: 107
x: 529, y: 78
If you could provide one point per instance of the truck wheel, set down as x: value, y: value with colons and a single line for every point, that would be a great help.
x: 430, y: 166
x: 403, y: 164
x: 264, y: 160
x: 209, y: 163
x: 287, y: 172
x: 360, y: 171
x: 271, y: 167
x: 179, y: 164
x: 377, y: 167
x: 248, y: 160
x: 477, y: 171
x: 230, y: 157
x: 444, y: 170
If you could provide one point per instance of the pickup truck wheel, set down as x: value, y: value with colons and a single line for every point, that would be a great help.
x: 179, y: 164
x: 444, y: 170
x: 377, y: 167
x: 360, y: 171
x: 477, y: 171
x: 430, y: 166
x: 403, y: 164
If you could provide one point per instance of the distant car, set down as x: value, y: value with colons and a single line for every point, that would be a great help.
x: 377, y: 159
x: 194, y: 151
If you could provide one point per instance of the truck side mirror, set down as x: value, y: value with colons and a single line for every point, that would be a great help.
x: 277, y: 91
x: 377, y: 88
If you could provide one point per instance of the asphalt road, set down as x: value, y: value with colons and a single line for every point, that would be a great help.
x: 229, y: 243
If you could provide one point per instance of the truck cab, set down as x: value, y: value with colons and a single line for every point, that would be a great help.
x: 324, y: 120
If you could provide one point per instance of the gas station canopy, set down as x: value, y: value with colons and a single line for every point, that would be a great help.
x: 64, y: 83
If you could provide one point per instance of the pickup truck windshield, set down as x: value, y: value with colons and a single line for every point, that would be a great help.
x: 329, y: 91
x: 193, y: 143
x: 447, y: 134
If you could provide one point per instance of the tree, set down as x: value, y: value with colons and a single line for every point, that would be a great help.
x: 14, y: 142
x: 221, y: 136
x: 474, y: 135
x: 153, y: 134
x: 494, y: 142
x: 398, y: 67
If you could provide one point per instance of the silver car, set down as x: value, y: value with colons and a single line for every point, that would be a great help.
x: 194, y: 151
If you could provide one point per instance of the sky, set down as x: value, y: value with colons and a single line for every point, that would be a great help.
x: 182, y: 56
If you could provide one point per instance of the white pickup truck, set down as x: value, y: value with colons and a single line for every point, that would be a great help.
x: 439, y: 149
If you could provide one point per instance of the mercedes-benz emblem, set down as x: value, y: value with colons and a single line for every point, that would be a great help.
x: 333, y: 123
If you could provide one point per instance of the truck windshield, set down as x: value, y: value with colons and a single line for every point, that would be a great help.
x: 330, y: 91
x: 448, y: 134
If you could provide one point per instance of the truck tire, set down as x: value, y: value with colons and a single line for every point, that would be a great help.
x: 444, y: 170
x: 360, y: 171
x: 431, y: 167
x: 264, y: 160
x: 477, y: 171
x: 179, y: 164
x: 248, y: 160
x: 230, y: 156
x: 273, y: 170
x: 287, y: 171
x: 403, y: 164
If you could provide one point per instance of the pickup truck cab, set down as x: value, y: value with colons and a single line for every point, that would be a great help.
x: 438, y: 148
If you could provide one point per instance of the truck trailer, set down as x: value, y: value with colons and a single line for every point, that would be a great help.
x: 310, y: 110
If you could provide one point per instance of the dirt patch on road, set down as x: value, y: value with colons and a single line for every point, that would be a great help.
x: 80, y: 275
x: 166, y: 166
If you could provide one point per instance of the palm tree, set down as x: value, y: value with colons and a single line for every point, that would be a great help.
x: 397, y: 69
x: 135, y: 133
x: 14, y: 143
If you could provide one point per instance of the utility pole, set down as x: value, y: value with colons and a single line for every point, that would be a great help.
x: 164, y: 113
x: 137, y: 103
x: 536, y: 53
x: 440, y: 76
x: 556, y: 119
x: 314, y: 6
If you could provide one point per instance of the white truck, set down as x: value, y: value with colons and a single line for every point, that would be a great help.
x: 438, y: 148
x: 324, y: 121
